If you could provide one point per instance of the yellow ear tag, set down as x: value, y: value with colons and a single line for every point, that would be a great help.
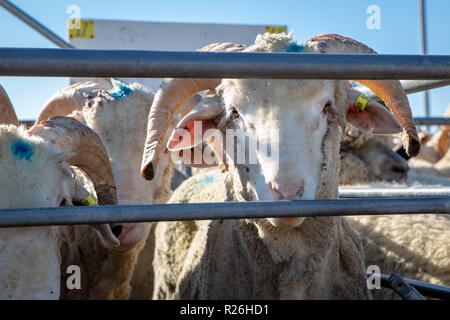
x: 361, y: 102
x: 90, y: 200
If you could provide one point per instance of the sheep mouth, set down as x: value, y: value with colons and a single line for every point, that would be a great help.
x: 123, y: 236
x: 110, y: 232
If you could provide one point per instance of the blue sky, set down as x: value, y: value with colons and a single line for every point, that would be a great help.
x: 399, y: 32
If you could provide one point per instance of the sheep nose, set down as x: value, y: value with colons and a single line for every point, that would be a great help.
x: 288, y: 191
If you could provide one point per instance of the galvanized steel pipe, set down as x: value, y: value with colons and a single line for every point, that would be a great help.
x: 34, y: 24
x: 431, y: 121
x: 157, y: 64
x: 411, y: 86
x: 223, y: 210
x: 393, y: 192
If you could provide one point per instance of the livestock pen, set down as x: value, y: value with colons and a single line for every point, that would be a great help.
x: 125, y: 63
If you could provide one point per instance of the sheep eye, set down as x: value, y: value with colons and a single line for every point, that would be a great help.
x: 235, y: 113
x: 326, y: 108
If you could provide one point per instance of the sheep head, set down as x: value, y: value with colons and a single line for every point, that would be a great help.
x: 381, y: 162
x: 39, y: 160
x: 302, y: 119
x: 118, y: 117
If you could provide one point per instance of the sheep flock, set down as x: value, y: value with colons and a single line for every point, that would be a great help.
x: 122, y: 144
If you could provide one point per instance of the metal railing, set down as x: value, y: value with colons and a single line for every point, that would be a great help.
x: 134, y: 64
x: 33, y: 23
x: 398, y: 192
x: 223, y: 210
x: 157, y: 64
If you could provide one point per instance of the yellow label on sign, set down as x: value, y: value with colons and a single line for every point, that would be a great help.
x: 276, y: 29
x: 81, y: 29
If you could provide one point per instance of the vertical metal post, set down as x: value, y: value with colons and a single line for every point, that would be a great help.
x: 35, y: 24
x: 423, y: 45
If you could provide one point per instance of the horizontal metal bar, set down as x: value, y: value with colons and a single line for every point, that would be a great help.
x: 148, y: 64
x: 393, y: 192
x: 223, y: 210
x: 427, y: 289
x: 29, y: 20
x: 411, y: 86
x: 417, y: 120
x: 431, y: 121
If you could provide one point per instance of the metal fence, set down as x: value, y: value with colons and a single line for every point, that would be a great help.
x: 134, y: 64
x: 223, y: 210
x: 157, y: 64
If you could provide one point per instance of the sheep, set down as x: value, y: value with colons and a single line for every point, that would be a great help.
x: 103, y: 260
x: 38, y: 162
x: 287, y: 258
x: 414, y: 246
x: 118, y: 115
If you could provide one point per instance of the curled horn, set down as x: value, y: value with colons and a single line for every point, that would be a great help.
x: 68, y: 100
x: 390, y: 91
x: 170, y: 97
x: 7, y: 114
x: 87, y: 152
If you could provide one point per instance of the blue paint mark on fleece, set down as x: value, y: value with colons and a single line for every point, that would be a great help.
x: 206, y: 181
x: 121, y: 92
x: 294, y: 47
x: 22, y: 150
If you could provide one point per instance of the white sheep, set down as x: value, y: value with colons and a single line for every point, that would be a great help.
x: 288, y: 258
x: 119, y: 116
x: 36, y: 173
x: 105, y: 265
x: 414, y: 246
x: 367, y: 158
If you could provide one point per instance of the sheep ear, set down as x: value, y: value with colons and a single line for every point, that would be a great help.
x: 375, y: 119
x: 195, y: 127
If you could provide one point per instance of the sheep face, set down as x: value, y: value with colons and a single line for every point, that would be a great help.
x: 292, y: 117
x: 119, y: 117
x: 300, y: 120
x: 381, y: 163
x: 295, y: 116
x: 34, y: 174
x: 303, y: 119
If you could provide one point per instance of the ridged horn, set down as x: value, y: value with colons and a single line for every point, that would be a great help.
x: 7, y: 114
x: 87, y: 152
x: 390, y: 91
x: 67, y: 100
x: 170, y: 97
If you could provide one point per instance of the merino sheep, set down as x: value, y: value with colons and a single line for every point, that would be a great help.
x: 118, y: 115
x: 287, y: 258
x: 103, y: 264
x: 366, y: 158
x: 414, y: 246
x: 38, y: 162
